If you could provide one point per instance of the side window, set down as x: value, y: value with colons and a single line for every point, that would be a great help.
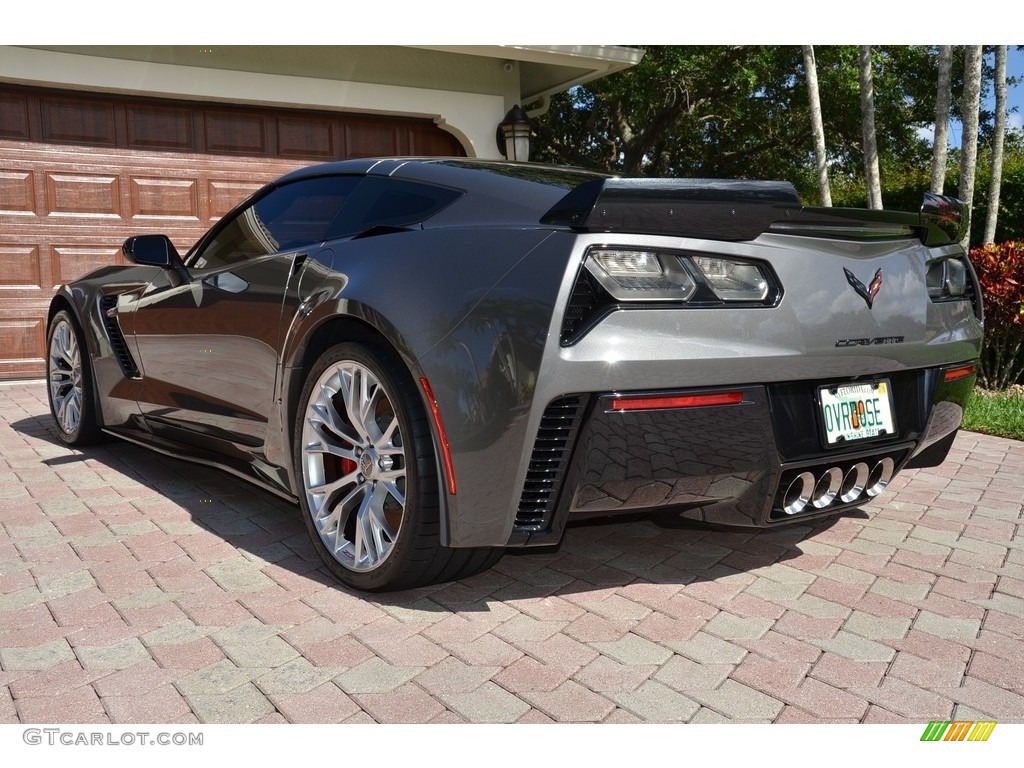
x: 289, y: 217
x: 384, y: 202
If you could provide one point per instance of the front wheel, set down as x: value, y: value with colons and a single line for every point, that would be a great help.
x: 370, y: 492
x: 69, y: 383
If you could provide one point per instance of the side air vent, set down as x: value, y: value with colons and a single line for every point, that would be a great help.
x: 555, y: 438
x: 117, y: 340
x: 586, y: 305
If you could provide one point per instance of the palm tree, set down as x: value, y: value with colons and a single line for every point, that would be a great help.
x: 969, y: 142
x: 817, y: 127
x: 995, y: 181
x: 867, y: 116
x: 940, y: 148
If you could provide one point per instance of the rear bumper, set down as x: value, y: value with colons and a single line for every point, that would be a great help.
x: 760, y: 462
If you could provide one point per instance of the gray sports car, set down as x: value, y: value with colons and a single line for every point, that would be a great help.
x: 443, y: 358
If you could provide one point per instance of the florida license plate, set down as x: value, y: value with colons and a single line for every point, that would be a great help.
x: 852, y: 412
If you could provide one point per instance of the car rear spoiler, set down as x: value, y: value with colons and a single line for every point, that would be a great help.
x: 717, y: 209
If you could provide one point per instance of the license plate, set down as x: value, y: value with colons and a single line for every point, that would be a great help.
x: 852, y: 412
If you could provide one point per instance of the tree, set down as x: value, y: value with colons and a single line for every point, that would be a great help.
x: 683, y: 111
x: 998, y: 136
x: 817, y: 128
x: 872, y: 178
x: 969, y: 142
x: 743, y: 112
x: 940, y: 144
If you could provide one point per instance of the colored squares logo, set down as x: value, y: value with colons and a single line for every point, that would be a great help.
x: 958, y: 730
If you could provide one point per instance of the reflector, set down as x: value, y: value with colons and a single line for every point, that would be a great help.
x: 659, y: 402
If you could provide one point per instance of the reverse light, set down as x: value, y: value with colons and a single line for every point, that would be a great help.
x: 637, y: 275
x: 732, y: 280
x: 946, y: 279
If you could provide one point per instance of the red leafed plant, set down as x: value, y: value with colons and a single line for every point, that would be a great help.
x: 1000, y: 271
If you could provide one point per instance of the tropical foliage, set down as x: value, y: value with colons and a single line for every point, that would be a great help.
x: 743, y: 111
x: 1000, y: 270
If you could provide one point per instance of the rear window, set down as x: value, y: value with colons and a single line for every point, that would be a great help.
x: 384, y: 202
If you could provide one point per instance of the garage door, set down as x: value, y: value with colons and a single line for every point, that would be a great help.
x: 80, y: 173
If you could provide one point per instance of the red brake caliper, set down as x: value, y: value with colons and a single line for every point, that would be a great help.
x: 344, y: 466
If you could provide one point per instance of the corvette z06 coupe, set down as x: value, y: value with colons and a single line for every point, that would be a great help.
x: 439, y: 359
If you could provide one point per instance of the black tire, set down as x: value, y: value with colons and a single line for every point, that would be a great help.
x: 69, y: 383
x: 369, y: 486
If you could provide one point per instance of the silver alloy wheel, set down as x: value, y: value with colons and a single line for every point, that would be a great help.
x: 354, y: 465
x: 65, y: 375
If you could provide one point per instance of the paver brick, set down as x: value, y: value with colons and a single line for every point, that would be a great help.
x: 78, y: 705
x: 817, y: 608
x: 571, y: 703
x: 841, y: 672
x: 927, y: 673
x: 488, y: 703
x: 375, y: 676
x: 996, y: 703
x: 406, y: 704
x: 116, y: 656
x: 23, y: 598
x: 772, y: 677
x: 451, y: 675
x: 54, y: 681
x: 244, y: 704
x: 39, y: 657
x: 412, y: 651
x: 826, y: 701
x: 899, y: 590
x: 656, y: 702
x: 528, y: 674
x: 855, y: 647
x: 214, y: 679
x: 633, y: 649
x: 943, y: 626
x: 325, y: 704
x: 774, y: 645
x: 296, y: 677
x: 876, y: 628
x: 907, y: 700
x: 161, y: 704
x: 708, y: 649
x: 739, y: 702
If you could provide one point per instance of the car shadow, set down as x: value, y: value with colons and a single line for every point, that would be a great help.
x: 594, y: 556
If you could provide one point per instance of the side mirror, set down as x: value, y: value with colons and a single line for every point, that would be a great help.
x: 155, y: 251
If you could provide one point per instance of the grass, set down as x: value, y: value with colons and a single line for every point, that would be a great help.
x: 996, y: 413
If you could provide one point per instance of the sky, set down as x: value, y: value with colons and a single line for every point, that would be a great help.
x: 1014, y: 99
x: 1015, y: 68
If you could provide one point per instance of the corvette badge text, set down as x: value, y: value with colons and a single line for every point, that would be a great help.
x: 70, y: 738
x: 865, y: 342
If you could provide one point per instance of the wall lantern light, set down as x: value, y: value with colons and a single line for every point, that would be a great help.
x: 513, y: 135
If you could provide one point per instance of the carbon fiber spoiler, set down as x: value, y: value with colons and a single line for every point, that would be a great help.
x: 718, y: 209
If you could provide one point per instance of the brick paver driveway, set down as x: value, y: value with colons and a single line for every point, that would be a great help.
x: 136, y: 588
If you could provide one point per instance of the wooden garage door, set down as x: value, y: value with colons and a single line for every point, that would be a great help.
x: 80, y: 173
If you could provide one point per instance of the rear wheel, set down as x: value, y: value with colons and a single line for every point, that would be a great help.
x: 370, y: 492
x: 69, y: 383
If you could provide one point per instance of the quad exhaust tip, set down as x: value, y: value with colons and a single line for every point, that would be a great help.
x: 808, y: 492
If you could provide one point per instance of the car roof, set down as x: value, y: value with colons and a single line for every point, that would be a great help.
x: 467, y: 173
